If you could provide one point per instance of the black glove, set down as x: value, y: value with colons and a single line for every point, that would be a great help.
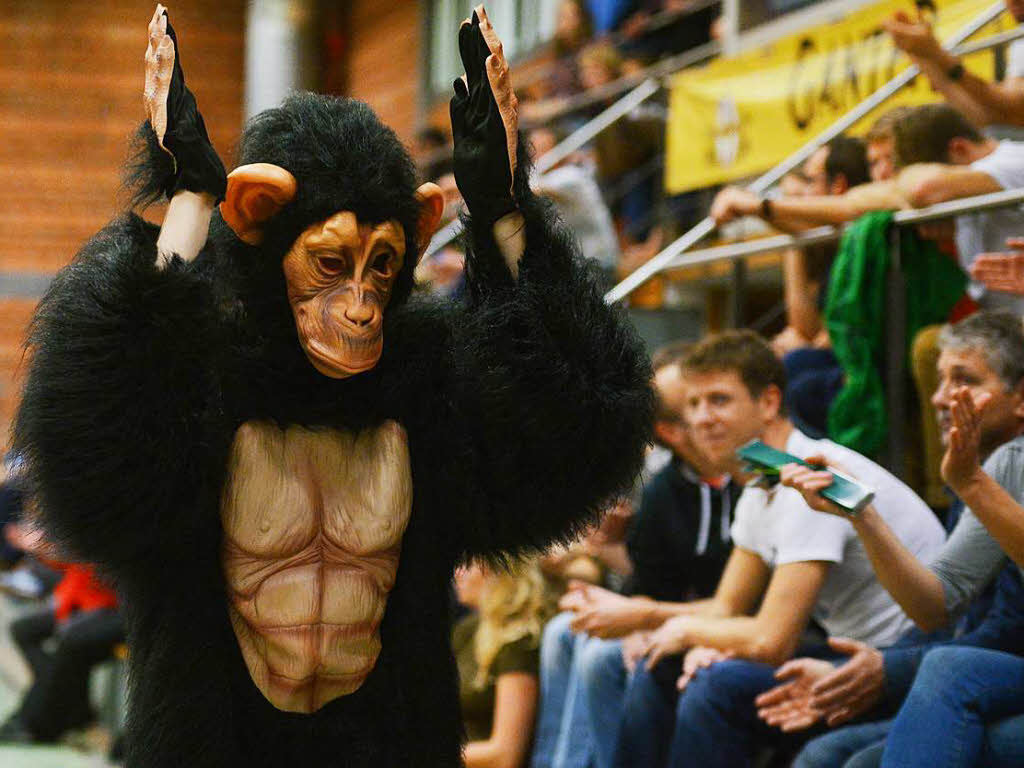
x: 481, y: 162
x: 198, y: 168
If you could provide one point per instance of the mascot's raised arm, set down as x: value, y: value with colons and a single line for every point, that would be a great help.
x: 278, y: 452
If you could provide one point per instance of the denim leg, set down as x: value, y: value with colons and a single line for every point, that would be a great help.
x: 716, y: 720
x: 834, y: 748
x: 869, y: 757
x: 1004, y: 743
x: 556, y: 678
x: 956, y: 693
x: 575, y: 748
x: 647, y: 716
x: 603, y: 674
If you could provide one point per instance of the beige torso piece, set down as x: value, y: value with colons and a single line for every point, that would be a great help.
x: 313, y: 524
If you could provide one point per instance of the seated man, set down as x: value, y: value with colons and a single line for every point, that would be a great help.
x: 785, y: 568
x: 943, y: 157
x: 981, y: 363
x: 678, y: 545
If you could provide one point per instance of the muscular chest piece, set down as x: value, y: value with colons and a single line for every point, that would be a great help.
x: 313, y: 523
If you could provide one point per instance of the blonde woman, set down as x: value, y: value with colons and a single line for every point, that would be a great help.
x: 497, y: 650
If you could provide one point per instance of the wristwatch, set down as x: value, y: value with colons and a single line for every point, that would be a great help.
x: 955, y: 72
x: 766, y: 208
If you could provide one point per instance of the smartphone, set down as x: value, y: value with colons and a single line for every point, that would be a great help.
x: 847, y: 493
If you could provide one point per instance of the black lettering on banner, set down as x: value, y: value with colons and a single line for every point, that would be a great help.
x: 801, y: 100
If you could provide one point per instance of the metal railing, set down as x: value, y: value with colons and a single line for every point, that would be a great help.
x: 767, y: 180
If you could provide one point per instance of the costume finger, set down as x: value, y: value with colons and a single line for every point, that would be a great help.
x: 457, y: 111
x: 467, y: 50
x: 158, y: 24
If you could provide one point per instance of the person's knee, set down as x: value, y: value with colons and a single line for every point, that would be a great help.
x: 943, y: 666
x: 601, y: 661
x: 828, y: 751
x: 709, y: 689
x: 557, y: 640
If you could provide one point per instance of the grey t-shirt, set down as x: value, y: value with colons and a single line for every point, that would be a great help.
x: 971, y: 558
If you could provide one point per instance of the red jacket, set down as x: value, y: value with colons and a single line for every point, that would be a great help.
x: 80, y: 590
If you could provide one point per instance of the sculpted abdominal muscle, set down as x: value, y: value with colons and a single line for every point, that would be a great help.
x: 313, y: 522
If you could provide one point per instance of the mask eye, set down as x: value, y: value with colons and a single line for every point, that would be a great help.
x: 382, y: 263
x: 330, y: 265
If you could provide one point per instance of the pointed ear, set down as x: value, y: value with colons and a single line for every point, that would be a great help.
x: 431, y: 200
x: 255, y: 193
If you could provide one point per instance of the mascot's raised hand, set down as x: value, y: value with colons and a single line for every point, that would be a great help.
x: 485, y: 122
x: 175, y: 118
x: 485, y: 130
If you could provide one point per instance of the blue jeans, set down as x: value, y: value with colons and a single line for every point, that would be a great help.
x: 853, y: 746
x: 713, y: 724
x: 958, y: 691
x: 582, y: 682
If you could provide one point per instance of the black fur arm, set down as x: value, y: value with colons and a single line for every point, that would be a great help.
x: 549, y: 403
x: 110, y: 423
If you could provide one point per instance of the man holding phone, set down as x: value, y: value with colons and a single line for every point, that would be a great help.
x: 789, y: 564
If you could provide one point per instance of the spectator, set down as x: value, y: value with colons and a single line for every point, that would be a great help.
x: 84, y: 624
x: 678, y: 544
x: 943, y: 157
x: 626, y: 149
x: 657, y: 28
x: 575, y: 192
x: 495, y: 648
x: 881, y: 143
x: 573, y: 30
x: 984, y: 103
x: 607, y: 14
x: 812, y: 370
x: 981, y: 367
x: 785, y: 568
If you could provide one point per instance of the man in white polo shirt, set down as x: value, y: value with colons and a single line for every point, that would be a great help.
x: 788, y: 564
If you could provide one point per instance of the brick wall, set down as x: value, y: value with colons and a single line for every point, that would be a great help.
x: 71, y: 77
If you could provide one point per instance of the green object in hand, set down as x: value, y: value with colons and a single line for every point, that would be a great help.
x: 845, y: 492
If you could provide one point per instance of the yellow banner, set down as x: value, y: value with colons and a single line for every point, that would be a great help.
x: 740, y: 116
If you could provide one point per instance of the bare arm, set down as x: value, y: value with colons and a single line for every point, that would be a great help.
x: 925, y: 184
x: 800, y: 294
x: 912, y: 584
x: 515, y: 706
x: 770, y: 636
x: 982, y: 101
x: 796, y: 214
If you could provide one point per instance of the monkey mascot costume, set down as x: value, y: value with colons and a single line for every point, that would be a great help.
x: 278, y: 454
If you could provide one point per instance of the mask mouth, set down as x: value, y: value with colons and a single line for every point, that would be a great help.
x: 363, y: 357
